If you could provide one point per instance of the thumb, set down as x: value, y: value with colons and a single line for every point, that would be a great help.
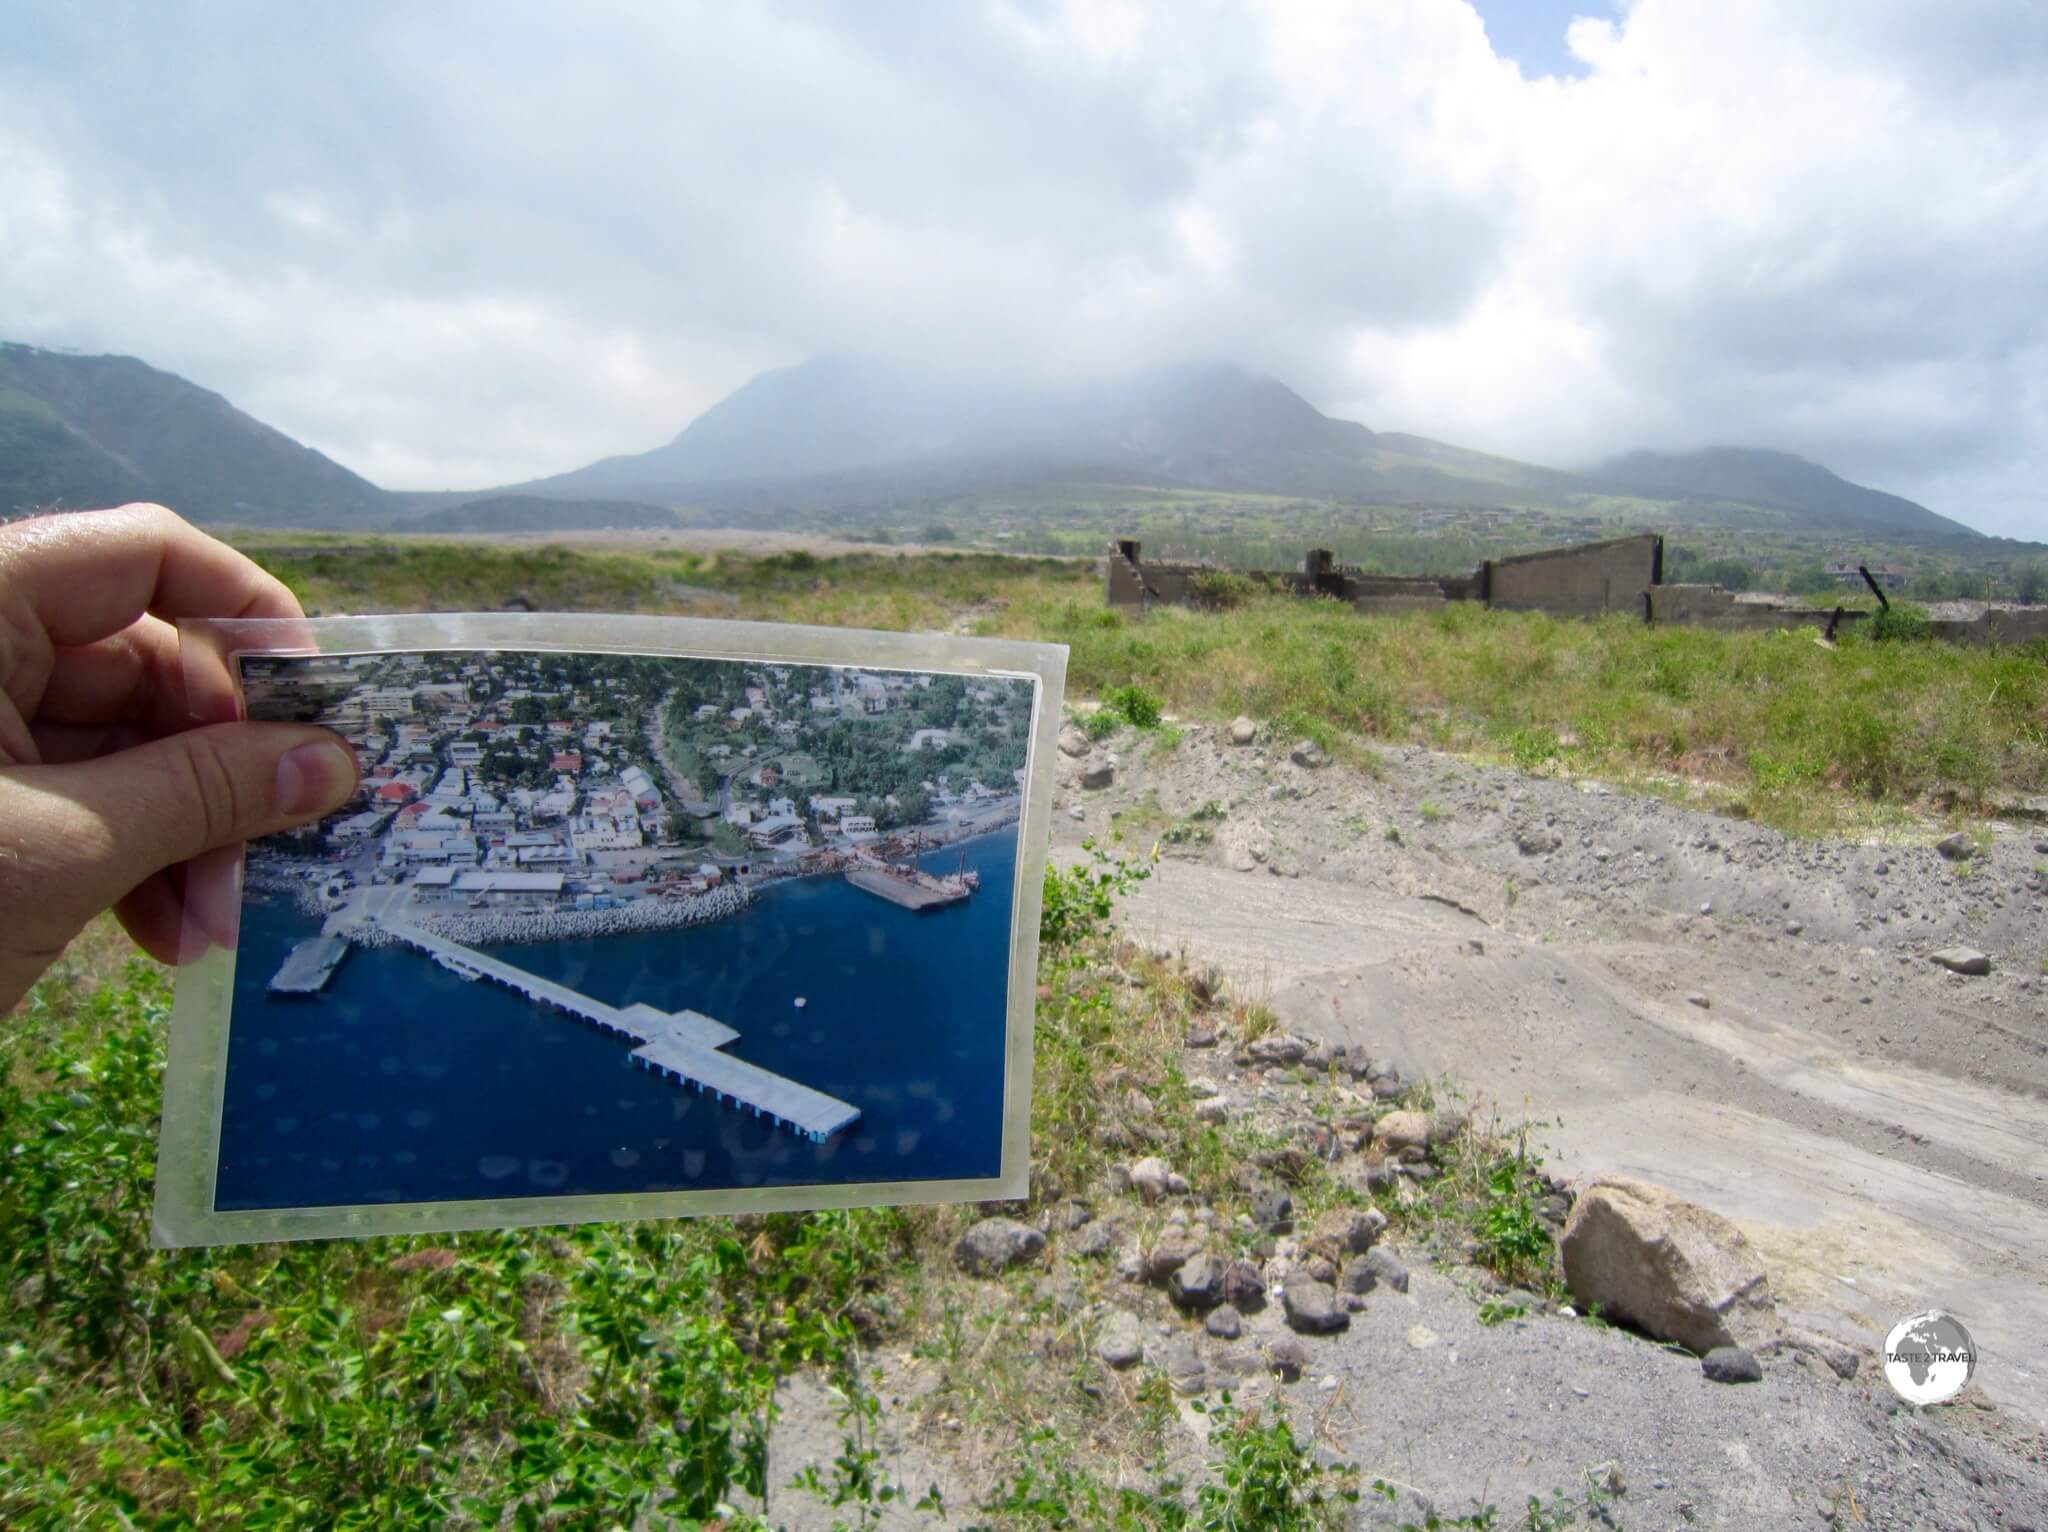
x: 94, y: 831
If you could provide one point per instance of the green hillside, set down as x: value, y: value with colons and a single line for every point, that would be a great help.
x: 87, y: 430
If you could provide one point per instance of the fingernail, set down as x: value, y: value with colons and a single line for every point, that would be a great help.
x: 213, y: 900
x: 311, y: 779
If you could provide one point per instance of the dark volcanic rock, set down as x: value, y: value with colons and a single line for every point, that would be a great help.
x: 1286, y: 1356
x: 1243, y: 1287
x: 1198, y: 1283
x: 995, y: 1244
x: 1312, y: 1307
x: 1224, y: 1322
x: 1731, y: 1364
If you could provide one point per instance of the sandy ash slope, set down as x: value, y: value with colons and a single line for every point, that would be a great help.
x: 1751, y: 1021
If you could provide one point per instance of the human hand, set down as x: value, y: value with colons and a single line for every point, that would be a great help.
x: 109, y: 789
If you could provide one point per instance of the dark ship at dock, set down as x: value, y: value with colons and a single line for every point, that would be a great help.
x: 911, y: 887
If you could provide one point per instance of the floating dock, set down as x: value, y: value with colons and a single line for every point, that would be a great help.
x: 309, y: 965
x: 913, y: 890
x: 682, y: 1046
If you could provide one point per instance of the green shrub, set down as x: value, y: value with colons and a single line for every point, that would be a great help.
x: 1514, y: 1244
x: 1078, y: 902
x: 1136, y: 706
x: 1898, y: 623
x: 1221, y: 590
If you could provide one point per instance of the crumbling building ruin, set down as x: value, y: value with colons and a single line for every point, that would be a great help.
x: 1623, y: 574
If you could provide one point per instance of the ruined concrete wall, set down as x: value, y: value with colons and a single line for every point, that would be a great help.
x: 1709, y: 606
x: 1997, y: 625
x: 1364, y: 587
x: 1580, y: 582
x: 1588, y: 580
x: 1464, y: 587
x: 1124, y: 586
x: 1133, y: 585
x: 2016, y: 625
x: 1697, y: 605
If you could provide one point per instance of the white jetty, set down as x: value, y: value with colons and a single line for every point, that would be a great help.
x: 681, y: 1045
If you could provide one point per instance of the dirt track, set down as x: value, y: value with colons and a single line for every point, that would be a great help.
x: 1878, y: 1125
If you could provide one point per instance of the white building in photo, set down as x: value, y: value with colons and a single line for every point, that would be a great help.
x: 357, y: 827
x: 531, y: 889
x: 777, y: 830
x: 603, y: 832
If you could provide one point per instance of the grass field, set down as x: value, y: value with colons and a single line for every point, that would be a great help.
x: 1865, y: 737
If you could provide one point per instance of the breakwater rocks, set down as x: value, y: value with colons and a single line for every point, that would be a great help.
x: 486, y: 928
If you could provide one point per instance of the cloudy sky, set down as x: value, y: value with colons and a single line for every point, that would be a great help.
x: 462, y: 245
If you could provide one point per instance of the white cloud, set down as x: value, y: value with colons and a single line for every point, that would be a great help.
x: 464, y: 247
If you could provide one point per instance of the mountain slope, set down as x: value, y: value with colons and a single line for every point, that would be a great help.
x: 1755, y: 476
x: 1210, y: 425
x: 94, y: 430
x: 849, y: 435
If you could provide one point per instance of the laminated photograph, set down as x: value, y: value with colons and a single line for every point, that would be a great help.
x: 630, y: 917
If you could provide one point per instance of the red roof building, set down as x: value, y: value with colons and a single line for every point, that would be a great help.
x: 570, y: 761
x: 396, y: 792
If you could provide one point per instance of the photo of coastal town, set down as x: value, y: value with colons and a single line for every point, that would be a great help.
x: 609, y: 923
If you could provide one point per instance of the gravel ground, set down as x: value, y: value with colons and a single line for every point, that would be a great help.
x: 1752, y: 1021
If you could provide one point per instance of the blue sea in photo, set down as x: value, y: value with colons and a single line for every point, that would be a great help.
x: 405, y: 1083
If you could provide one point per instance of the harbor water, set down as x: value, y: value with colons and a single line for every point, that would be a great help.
x: 405, y: 1083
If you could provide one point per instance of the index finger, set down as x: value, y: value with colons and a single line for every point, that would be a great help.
x: 86, y: 575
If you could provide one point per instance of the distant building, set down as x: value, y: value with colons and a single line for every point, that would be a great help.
x: 613, y: 802
x: 928, y: 739
x: 1888, y: 576
x: 568, y: 762
x: 776, y: 830
x: 396, y: 792
x: 856, y: 824
x: 530, y: 889
x: 641, y: 786
x: 357, y: 827
x: 594, y: 832
x: 831, y: 808
x: 388, y: 702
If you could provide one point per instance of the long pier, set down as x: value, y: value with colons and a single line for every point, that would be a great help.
x: 682, y: 1046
